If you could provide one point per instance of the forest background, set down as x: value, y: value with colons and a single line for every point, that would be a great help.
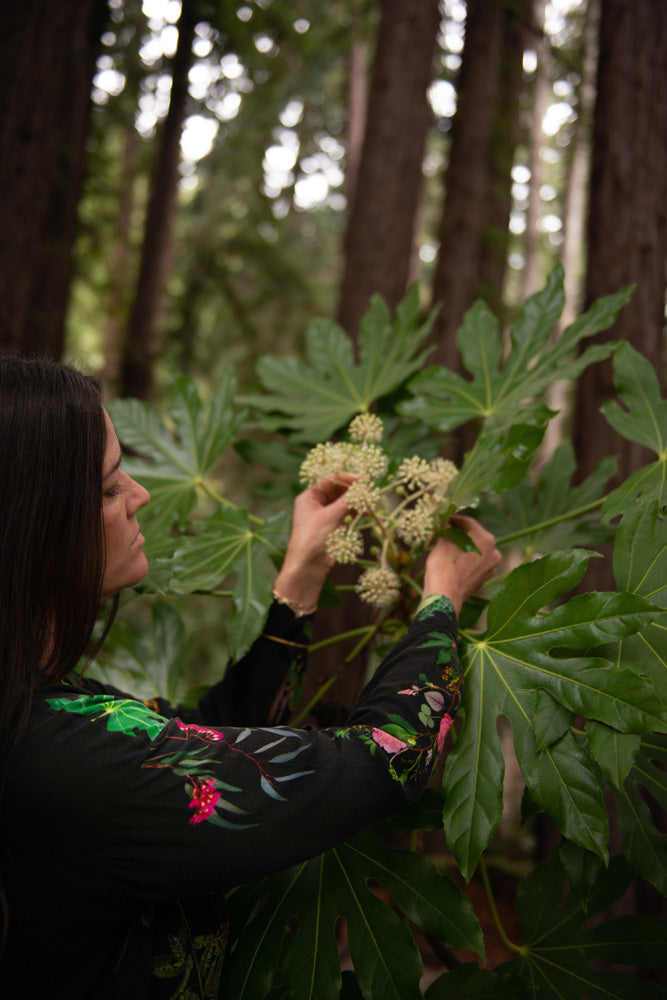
x: 184, y: 187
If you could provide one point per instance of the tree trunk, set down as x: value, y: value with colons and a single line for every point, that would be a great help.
x: 627, y: 224
x: 141, y: 346
x: 468, y: 177
x: 357, y: 100
x: 560, y: 393
x: 47, y: 60
x: 532, y: 274
x: 517, y: 20
x: 119, y: 261
x: 379, y: 236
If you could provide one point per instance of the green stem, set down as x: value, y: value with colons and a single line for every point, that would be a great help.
x: 341, y: 637
x: 219, y: 499
x: 519, y: 949
x: 506, y: 539
x: 367, y: 634
x: 297, y: 719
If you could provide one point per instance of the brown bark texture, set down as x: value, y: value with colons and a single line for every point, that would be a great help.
x: 517, y: 20
x: 468, y: 178
x: 47, y: 61
x: 627, y: 223
x: 142, y: 343
x: 379, y: 236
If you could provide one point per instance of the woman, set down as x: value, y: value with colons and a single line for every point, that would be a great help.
x: 121, y: 824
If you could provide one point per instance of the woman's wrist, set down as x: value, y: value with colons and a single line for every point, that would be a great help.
x: 299, y: 589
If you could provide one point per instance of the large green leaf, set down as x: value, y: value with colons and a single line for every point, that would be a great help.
x: 642, y: 418
x: 527, y: 649
x: 498, y: 461
x: 547, y: 505
x: 644, y: 845
x: 231, y: 543
x: 315, y: 398
x: 558, y: 948
x: 640, y: 567
x: 469, y: 982
x: 174, y: 454
x: 150, y: 663
x: 504, y: 393
x: 317, y: 893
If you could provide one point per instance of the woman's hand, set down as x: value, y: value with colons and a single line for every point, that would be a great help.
x: 317, y: 511
x: 458, y: 574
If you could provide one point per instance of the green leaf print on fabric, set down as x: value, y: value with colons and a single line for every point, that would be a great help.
x: 435, y: 605
x: 122, y: 715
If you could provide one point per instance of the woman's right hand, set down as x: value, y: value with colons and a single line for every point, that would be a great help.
x: 458, y: 574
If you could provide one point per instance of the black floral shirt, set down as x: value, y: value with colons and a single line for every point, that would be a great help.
x: 123, y: 823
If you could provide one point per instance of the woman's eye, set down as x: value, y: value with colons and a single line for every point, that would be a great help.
x: 114, y: 491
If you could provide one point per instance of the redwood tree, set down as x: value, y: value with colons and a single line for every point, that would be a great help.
x: 47, y: 61
x: 141, y: 346
x: 473, y: 229
x: 378, y: 240
x: 627, y: 224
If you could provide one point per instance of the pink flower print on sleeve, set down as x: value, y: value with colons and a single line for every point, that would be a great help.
x: 388, y: 742
x: 445, y: 723
x: 209, y: 735
x: 204, y: 797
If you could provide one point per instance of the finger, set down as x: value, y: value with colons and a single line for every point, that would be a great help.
x: 330, y: 490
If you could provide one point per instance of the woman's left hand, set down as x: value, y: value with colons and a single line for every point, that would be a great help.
x: 317, y: 511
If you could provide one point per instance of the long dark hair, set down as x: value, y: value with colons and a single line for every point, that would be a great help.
x: 52, y: 444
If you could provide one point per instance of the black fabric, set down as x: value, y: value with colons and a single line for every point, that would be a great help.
x: 123, y: 824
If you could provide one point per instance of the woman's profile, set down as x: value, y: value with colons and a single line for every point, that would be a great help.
x: 122, y: 823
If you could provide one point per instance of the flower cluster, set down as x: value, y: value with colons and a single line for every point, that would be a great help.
x: 401, y: 508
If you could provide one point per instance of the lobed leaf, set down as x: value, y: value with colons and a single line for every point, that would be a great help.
x: 229, y: 544
x: 510, y: 393
x: 642, y: 418
x: 558, y: 948
x: 527, y: 649
x: 173, y: 457
x: 316, y: 894
x: 314, y: 398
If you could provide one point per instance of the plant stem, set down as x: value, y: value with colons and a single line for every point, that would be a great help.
x: 519, y: 949
x: 367, y: 633
x: 297, y: 719
x: 219, y: 499
x: 506, y: 539
x: 341, y: 637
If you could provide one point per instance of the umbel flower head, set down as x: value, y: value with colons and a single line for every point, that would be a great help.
x: 401, y: 511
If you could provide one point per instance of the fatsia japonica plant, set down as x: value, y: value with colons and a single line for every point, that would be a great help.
x: 581, y: 677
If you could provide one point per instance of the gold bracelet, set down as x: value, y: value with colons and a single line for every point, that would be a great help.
x: 285, y: 642
x: 298, y: 609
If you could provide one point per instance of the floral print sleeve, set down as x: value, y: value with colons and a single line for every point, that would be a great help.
x: 290, y: 793
x: 144, y: 808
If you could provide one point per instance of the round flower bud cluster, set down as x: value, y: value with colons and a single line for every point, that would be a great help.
x: 402, y: 511
x: 345, y: 545
x: 413, y: 472
x: 366, y: 427
x: 415, y: 525
x: 326, y: 461
x: 379, y: 586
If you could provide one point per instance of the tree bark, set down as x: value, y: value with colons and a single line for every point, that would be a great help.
x: 47, y: 61
x: 517, y: 21
x: 141, y: 345
x: 379, y: 236
x: 468, y: 177
x: 357, y: 101
x: 627, y: 223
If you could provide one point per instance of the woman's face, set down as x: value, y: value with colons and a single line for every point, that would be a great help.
x: 126, y: 563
